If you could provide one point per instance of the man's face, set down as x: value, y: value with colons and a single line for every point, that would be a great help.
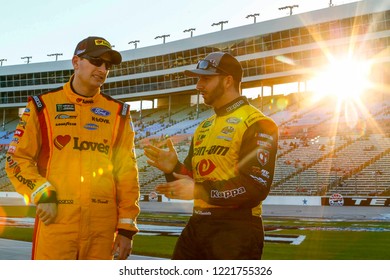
x: 212, y: 90
x: 91, y: 75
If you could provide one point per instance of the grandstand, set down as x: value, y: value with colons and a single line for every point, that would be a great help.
x: 326, y: 146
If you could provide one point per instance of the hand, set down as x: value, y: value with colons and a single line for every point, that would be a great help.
x: 182, y: 188
x: 122, y: 247
x: 47, y: 212
x: 162, y: 159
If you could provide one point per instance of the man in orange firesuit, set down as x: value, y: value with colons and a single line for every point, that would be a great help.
x: 73, y: 156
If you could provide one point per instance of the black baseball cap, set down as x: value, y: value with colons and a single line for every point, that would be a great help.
x: 217, y: 63
x: 95, y: 47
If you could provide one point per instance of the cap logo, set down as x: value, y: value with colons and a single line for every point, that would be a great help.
x: 213, y: 62
x: 100, y: 42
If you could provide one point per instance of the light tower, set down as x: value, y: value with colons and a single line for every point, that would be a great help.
x: 221, y: 23
x: 254, y: 17
x: 28, y: 58
x: 55, y: 54
x: 135, y: 43
x: 163, y: 37
x: 289, y: 7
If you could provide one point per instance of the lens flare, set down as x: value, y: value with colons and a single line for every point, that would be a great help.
x: 26, y: 199
x: 282, y: 103
x: 2, y: 214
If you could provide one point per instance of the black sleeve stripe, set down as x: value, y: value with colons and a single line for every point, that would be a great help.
x: 39, y: 104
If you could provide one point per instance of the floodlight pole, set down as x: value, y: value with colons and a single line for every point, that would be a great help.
x: 254, y: 17
x: 1, y: 61
x: 289, y: 7
x: 163, y: 37
x: 221, y: 23
x: 190, y: 30
x: 27, y: 57
x: 55, y: 54
x: 135, y: 43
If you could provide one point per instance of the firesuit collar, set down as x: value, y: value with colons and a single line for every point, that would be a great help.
x: 78, y: 98
x: 232, y: 106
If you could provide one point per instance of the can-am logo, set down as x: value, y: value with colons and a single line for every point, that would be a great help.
x: 205, y: 167
x: 100, y: 112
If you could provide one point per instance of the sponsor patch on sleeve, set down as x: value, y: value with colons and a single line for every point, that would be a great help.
x: 253, y: 118
x: 263, y: 156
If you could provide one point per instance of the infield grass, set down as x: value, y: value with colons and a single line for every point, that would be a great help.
x: 323, y: 240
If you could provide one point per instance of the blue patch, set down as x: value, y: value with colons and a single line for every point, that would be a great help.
x: 91, y: 126
x: 100, y: 112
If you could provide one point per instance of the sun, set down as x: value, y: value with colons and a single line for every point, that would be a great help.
x: 342, y: 82
x: 344, y: 78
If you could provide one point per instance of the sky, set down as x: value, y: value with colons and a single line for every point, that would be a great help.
x: 36, y: 28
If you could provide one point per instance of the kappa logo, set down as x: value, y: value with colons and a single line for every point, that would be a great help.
x: 61, y: 141
x: 228, y: 193
x: 205, y: 167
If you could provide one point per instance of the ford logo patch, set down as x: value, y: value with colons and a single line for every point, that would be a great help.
x: 100, y: 112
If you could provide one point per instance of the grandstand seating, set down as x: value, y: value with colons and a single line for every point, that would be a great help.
x: 320, y: 152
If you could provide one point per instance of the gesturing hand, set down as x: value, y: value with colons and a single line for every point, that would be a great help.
x: 165, y: 160
x: 182, y: 188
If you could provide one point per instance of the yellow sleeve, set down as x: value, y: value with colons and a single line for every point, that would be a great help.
x: 22, y: 156
x: 126, y: 177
